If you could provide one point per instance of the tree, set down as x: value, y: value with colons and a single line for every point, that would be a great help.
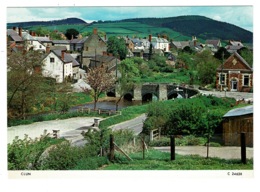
x: 100, y: 80
x: 71, y: 33
x: 126, y: 82
x: 222, y: 51
x: 117, y: 47
x: 207, y: 66
x: 24, y: 82
x: 247, y: 55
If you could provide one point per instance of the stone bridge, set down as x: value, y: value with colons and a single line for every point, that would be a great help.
x: 159, y: 91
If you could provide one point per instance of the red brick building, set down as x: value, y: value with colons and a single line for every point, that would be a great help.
x: 235, y: 75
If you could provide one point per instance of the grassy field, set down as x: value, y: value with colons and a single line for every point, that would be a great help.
x: 156, y: 160
x: 132, y: 29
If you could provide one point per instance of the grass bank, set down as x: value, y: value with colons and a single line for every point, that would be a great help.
x: 126, y: 114
x: 157, y: 160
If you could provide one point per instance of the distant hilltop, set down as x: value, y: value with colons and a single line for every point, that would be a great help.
x: 190, y: 25
x: 28, y: 24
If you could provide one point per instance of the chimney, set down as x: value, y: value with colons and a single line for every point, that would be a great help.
x: 104, y: 53
x: 62, y: 55
x: 150, y: 38
x: 105, y: 37
x: 48, y: 49
x: 158, y: 35
x: 20, y: 32
x: 14, y: 28
x: 31, y: 33
x: 95, y: 31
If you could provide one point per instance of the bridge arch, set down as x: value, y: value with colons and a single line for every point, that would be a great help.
x: 128, y: 96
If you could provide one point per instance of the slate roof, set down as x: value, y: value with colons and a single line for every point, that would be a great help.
x: 240, y: 111
x: 212, y: 42
x: 61, y: 42
x: 43, y: 39
x: 78, y: 41
x: 14, y: 35
x: 67, y: 57
x: 159, y: 40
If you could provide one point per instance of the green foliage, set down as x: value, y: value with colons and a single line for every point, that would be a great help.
x: 71, y: 33
x: 24, y: 154
x: 91, y: 163
x: 157, y: 160
x: 247, y: 55
x: 206, y: 66
x: 65, y: 157
x: 196, y: 116
x: 117, y: 47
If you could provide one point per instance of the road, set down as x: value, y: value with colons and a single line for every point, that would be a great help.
x: 135, y: 124
x: 236, y: 95
x: 70, y: 129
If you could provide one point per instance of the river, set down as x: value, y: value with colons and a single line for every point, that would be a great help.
x: 108, y: 104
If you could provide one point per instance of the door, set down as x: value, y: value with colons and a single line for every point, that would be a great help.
x: 233, y: 85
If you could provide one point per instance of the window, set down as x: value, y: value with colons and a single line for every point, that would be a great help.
x: 222, y: 79
x: 246, y: 80
x: 52, y: 60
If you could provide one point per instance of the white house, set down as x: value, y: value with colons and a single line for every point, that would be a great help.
x: 160, y: 43
x: 58, y: 65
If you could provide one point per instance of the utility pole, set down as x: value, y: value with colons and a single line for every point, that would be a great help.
x: 221, y: 75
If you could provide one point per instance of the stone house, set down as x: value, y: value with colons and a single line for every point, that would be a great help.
x: 235, y: 75
x: 94, y: 45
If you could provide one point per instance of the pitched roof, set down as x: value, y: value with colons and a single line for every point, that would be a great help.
x: 67, y: 57
x: 212, y: 42
x: 235, y: 54
x: 60, y: 42
x: 240, y: 111
x: 43, y: 39
x: 14, y: 35
x: 76, y: 41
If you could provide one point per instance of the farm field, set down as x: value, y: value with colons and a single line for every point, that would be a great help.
x: 131, y: 29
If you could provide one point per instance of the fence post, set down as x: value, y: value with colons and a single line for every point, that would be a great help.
x: 172, y: 147
x: 243, y: 147
x: 112, y: 148
x: 143, y: 147
x: 151, y: 135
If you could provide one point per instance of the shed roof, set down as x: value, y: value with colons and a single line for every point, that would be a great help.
x: 240, y: 111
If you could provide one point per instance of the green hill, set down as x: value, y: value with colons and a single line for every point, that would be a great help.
x: 29, y: 24
x: 199, y: 26
x: 177, y: 28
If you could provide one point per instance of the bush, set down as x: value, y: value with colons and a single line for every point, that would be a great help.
x: 163, y: 141
x: 24, y: 153
x: 91, y: 163
x: 65, y: 157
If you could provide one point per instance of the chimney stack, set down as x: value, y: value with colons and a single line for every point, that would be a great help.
x: 150, y: 38
x: 105, y: 37
x: 20, y: 32
x: 14, y: 28
x: 104, y: 53
x: 48, y: 49
x: 95, y: 31
x: 62, y: 55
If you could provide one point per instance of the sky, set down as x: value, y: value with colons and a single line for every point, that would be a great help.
x: 238, y: 15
